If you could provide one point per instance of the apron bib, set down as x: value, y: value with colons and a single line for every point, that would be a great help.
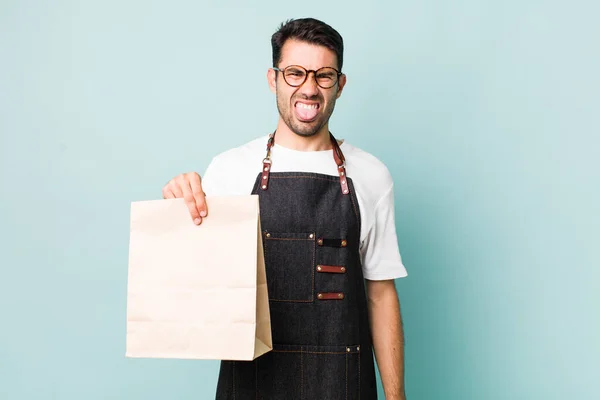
x: 322, y: 347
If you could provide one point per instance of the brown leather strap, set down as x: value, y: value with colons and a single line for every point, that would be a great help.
x: 331, y: 269
x: 264, y: 183
x: 330, y: 296
x: 338, y: 156
x: 340, y: 160
x: 265, y: 174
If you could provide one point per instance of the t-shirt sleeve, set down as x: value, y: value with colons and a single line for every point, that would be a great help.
x: 380, y: 252
x: 224, y: 176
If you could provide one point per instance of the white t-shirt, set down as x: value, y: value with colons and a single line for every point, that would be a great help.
x: 234, y: 172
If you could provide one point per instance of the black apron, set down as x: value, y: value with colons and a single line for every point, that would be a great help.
x: 322, y: 347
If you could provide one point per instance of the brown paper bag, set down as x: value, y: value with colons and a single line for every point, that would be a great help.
x: 197, y: 292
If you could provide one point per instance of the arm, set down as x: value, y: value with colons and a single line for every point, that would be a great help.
x: 388, y: 336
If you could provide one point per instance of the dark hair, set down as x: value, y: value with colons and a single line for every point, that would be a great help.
x: 308, y: 30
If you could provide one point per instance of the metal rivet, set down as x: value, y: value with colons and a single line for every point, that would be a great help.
x: 344, y: 243
x: 268, y: 235
x: 358, y: 348
x: 341, y: 174
x: 311, y: 236
x: 345, y: 192
x: 264, y: 186
x: 320, y: 296
x: 348, y: 349
x: 344, y: 182
x: 266, y: 168
x: 340, y: 295
x: 319, y: 268
x: 320, y: 242
x: 265, y: 177
x: 343, y: 269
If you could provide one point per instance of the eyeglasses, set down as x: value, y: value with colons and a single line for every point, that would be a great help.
x: 295, y: 75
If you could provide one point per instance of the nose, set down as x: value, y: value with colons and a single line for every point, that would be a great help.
x: 310, y: 87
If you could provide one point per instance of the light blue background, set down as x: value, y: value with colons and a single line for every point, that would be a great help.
x: 486, y: 113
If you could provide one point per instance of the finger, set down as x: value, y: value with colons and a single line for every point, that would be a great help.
x: 168, y: 193
x: 175, y: 187
x: 199, y: 196
x: 190, y: 202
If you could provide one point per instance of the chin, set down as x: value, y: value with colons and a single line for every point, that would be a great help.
x: 306, y: 129
x: 305, y: 133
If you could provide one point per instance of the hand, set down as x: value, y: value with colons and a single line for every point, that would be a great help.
x: 189, y: 187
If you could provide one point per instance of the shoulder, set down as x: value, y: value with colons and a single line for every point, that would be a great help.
x: 374, y: 188
x: 369, y: 172
x: 233, y: 172
x: 247, y: 152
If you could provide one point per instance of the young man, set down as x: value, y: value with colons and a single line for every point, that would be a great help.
x: 327, y: 214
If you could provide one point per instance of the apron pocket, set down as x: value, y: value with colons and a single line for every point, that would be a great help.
x: 331, y: 372
x: 293, y: 372
x: 289, y: 262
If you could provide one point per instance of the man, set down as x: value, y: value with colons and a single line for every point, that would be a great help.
x: 327, y: 214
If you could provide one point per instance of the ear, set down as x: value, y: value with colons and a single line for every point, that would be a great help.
x: 272, y: 79
x: 341, y: 84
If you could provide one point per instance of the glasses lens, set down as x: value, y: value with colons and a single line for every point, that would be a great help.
x: 326, y: 77
x: 294, y: 76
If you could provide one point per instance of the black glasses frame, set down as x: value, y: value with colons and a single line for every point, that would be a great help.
x: 307, y: 72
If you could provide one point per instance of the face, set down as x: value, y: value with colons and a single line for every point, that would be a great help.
x: 305, y: 109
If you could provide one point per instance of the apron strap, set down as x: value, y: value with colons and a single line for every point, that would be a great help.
x: 338, y: 157
x: 267, y: 163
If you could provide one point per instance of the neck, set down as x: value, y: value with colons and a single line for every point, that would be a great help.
x: 286, y: 138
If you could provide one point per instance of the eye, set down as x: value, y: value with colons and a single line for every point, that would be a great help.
x: 295, y: 73
x: 325, y: 76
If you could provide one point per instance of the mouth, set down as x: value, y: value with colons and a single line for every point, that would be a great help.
x: 306, y: 111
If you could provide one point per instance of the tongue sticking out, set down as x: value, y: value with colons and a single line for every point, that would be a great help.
x: 305, y: 112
